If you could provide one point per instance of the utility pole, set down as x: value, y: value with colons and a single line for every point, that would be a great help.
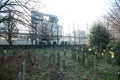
x: 74, y: 36
x: 36, y: 34
x: 69, y: 36
x: 78, y: 33
x: 57, y: 34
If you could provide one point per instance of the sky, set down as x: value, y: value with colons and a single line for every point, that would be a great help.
x: 76, y: 13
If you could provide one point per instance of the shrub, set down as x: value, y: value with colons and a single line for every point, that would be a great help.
x: 54, y: 43
x: 115, y: 46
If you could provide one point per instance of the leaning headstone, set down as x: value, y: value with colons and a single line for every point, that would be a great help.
x: 21, y: 74
x: 109, y: 58
x: 2, y: 56
x: 117, y: 57
x: 63, y: 63
x: 75, y: 54
x: 81, y: 57
x: 90, y: 60
x: 64, y: 52
x: 72, y: 53
x: 99, y: 55
x: 30, y: 57
x: 54, y: 58
x: 58, y: 60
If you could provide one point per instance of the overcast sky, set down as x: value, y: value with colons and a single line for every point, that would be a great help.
x: 76, y: 12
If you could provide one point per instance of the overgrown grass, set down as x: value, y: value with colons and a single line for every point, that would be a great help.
x: 45, y: 68
x: 73, y: 70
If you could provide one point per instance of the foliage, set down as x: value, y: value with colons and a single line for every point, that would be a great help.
x: 99, y: 35
x: 114, y: 46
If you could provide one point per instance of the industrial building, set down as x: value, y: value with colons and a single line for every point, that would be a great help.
x: 43, y: 28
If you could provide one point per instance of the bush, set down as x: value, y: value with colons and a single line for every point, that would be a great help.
x: 64, y: 43
x: 54, y: 43
x: 115, y: 46
x: 42, y: 43
x: 49, y: 43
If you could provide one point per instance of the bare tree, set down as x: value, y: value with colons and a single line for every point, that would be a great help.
x: 12, y: 6
x: 112, y: 19
x: 114, y: 15
x: 14, y: 14
x: 10, y: 17
x: 9, y: 29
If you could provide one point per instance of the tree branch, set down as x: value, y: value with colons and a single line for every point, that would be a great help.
x: 2, y: 6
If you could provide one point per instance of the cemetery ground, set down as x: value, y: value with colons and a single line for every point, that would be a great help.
x: 54, y: 64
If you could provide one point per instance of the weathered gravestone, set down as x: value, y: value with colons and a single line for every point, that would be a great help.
x: 90, y: 59
x: 99, y: 54
x: 73, y: 53
x: 81, y: 56
x: 117, y: 58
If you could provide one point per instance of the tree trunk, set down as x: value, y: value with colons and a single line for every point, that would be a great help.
x: 10, y: 38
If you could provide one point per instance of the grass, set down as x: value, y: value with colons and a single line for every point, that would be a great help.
x: 44, y: 69
x: 74, y: 71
